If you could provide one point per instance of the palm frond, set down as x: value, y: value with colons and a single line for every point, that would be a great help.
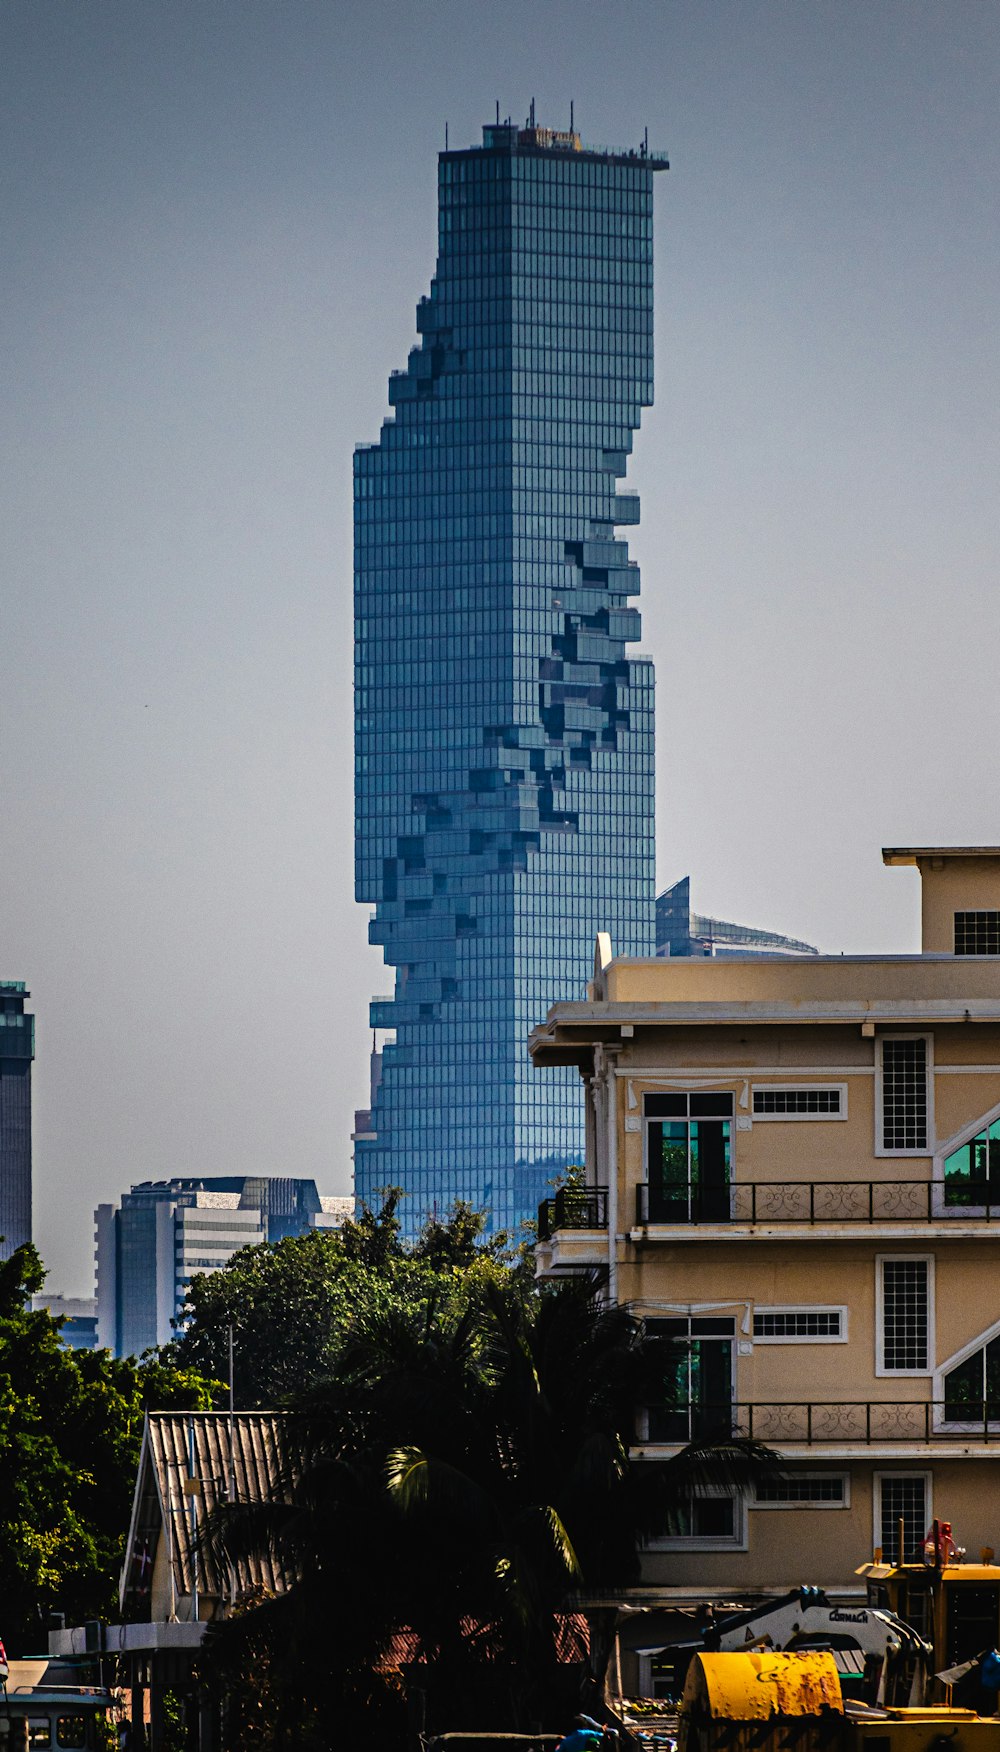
x: 416, y: 1480
x: 731, y: 1464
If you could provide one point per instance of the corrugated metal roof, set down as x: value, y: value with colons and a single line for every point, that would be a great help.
x: 179, y: 1447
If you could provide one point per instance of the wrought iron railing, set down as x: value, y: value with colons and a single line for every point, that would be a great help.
x: 818, y: 1201
x: 817, y: 1421
x: 573, y: 1207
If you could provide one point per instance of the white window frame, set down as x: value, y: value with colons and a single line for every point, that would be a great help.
x: 802, y: 1308
x: 797, y: 1088
x: 928, y: 1039
x: 899, y: 1472
x: 978, y: 1343
x: 804, y: 1503
x: 882, y: 1373
x: 738, y: 1541
x: 964, y: 1136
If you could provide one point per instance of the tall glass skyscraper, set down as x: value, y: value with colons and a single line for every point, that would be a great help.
x: 504, y: 734
x: 17, y: 1050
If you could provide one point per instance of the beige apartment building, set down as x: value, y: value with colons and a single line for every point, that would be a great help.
x: 793, y: 1175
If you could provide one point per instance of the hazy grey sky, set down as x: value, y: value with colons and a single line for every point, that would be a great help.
x: 218, y: 218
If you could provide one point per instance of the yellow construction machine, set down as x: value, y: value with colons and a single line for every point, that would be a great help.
x: 955, y: 1607
x: 773, y: 1701
x: 935, y: 1690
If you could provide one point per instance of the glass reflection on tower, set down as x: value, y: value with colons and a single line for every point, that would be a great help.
x: 504, y: 732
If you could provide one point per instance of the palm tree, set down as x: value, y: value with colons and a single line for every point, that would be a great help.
x: 463, y: 1485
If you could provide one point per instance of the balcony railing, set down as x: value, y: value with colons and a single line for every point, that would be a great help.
x: 573, y: 1207
x: 815, y: 1422
x: 818, y: 1201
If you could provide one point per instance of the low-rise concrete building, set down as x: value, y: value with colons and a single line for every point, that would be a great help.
x: 793, y: 1176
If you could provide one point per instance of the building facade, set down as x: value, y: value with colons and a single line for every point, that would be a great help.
x: 78, y: 1315
x: 793, y: 1176
x: 504, y: 728
x: 681, y: 931
x: 17, y: 1051
x: 166, y: 1232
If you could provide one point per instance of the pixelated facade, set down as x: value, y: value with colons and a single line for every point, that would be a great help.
x: 504, y: 728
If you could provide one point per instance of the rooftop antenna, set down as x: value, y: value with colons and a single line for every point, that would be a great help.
x: 645, y: 143
x: 572, y: 129
x: 498, y: 112
x: 532, y: 112
x: 446, y: 136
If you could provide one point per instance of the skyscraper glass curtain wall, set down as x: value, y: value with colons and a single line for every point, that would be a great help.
x: 504, y: 735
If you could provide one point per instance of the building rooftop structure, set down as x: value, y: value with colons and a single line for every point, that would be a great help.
x: 680, y: 932
x: 170, y: 1570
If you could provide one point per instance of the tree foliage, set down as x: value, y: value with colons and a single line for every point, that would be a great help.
x: 466, y: 1475
x: 70, y: 1430
x: 293, y: 1305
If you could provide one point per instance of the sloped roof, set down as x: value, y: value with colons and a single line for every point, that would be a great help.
x: 252, y: 1451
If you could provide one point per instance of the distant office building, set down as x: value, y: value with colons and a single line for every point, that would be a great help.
x: 17, y: 1049
x: 335, y: 1212
x: 79, y: 1318
x: 504, y: 719
x: 364, y: 1130
x: 168, y: 1231
x: 681, y: 932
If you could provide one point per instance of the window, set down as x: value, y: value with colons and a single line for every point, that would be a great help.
x: 705, y: 1522
x: 970, y: 1387
x: 906, y: 1497
x: 688, y: 1157
x: 903, y: 1315
x: 903, y: 1104
x: 800, y: 1325
x: 977, y: 933
x: 695, y: 1402
x: 972, y: 1172
x: 828, y: 1101
x: 71, y: 1731
x: 811, y: 1490
x: 39, y: 1733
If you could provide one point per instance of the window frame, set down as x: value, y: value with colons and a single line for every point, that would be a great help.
x: 805, y: 1503
x: 881, y: 1371
x: 878, y: 1478
x: 977, y: 912
x: 652, y: 1313
x: 981, y: 1340
x: 688, y: 1089
x: 738, y: 1540
x: 796, y: 1118
x: 840, y: 1308
x: 947, y: 1148
x: 930, y: 1145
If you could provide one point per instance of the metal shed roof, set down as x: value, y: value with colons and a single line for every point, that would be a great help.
x: 185, y: 1467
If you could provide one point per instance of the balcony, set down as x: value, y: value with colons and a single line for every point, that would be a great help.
x: 802, y: 1208
x: 572, y: 1230
x: 574, y: 1207
x: 891, y: 1425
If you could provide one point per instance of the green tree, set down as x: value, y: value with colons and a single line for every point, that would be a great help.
x: 293, y: 1305
x: 70, y: 1428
